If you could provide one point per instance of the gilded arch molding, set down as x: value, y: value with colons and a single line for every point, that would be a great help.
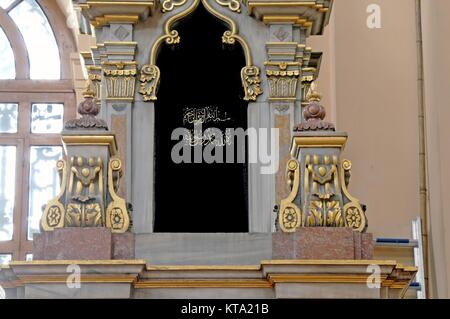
x: 150, y: 73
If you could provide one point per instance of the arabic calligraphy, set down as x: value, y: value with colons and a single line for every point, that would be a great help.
x: 192, y: 115
x: 209, y: 137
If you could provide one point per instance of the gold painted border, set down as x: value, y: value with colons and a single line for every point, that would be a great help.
x: 204, y: 267
x: 203, y: 283
x: 130, y: 262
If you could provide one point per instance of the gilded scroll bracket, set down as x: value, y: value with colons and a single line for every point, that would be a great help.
x: 82, y: 198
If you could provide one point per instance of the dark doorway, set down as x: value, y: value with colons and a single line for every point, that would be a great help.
x: 199, y: 74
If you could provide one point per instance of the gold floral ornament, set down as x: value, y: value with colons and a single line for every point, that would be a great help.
x: 290, y: 215
x: 149, y: 82
x: 353, y: 217
x: 251, y: 82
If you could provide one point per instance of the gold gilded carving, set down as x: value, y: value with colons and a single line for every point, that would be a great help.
x: 283, y: 79
x: 315, y: 217
x: 233, y: 5
x: 150, y: 73
x: 321, y: 189
x: 290, y: 215
x: 149, y: 82
x: 117, y: 218
x: 84, y: 215
x: 94, y: 85
x: 325, y: 213
x: 120, y: 81
x: 251, y: 82
x: 85, y: 193
x: 169, y: 5
x: 53, y: 216
x: 354, y: 215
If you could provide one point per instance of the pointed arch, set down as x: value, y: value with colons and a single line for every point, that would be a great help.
x: 150, y: 73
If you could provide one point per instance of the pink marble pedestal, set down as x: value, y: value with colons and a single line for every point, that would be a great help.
x: 92, y: 243
x: 322, y: 244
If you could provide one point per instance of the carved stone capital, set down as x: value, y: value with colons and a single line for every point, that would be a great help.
x: 120, y: 80
x: 283, y: 80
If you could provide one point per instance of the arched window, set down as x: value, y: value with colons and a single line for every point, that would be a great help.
x: 36, y: 97
x: 40, y: 41
x: 7, y: 64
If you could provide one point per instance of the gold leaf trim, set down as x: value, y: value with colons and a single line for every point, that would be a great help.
x: 54, y: 211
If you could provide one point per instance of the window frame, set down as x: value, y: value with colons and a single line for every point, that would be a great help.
x: 20, y: 246
x: 24, y: 91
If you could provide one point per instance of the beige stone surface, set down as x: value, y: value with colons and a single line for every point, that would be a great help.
x: 369, y: 81
x: 436, y: 24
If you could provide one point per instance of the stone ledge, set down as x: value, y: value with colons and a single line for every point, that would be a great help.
x: 269, y: 279
x: 322, y: 243
x: 93, y: 243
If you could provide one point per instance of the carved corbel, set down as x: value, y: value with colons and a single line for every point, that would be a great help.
x: 251, y: 82
x: 290, y: 216
x: 117, y: 218
x: 54, y: 213
x: 149, y: 82
x: 354, y: 214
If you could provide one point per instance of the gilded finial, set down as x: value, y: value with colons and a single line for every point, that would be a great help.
x: 313, y: 95
x: 88, y: 93
x: 88, y: 110
x: 314, y: 114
